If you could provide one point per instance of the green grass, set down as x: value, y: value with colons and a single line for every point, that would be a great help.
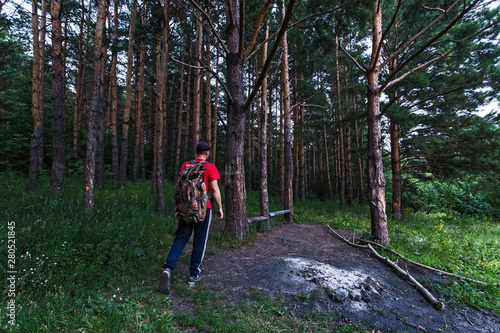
x: 100, y: 275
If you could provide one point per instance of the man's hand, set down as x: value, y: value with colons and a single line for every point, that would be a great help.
x: 220, y: 214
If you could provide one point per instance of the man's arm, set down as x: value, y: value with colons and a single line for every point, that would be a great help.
x: 214, y: 187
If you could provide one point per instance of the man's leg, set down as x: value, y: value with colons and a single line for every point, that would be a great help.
x: 200, y: 244
x: 182, y: 235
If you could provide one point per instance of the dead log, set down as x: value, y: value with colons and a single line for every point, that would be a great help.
x: 425, y: 266
x: 437, y: 304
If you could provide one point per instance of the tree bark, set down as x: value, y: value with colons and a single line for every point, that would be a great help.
x: 36, y: 141
x: 80, y: 83
x: 94, y: 111
x: 287, y: 135
x: 197, y: 85
x: 115, y: 162
x: 376, y: 178
x: 179, y: 115
x: 208, y: 92
x: 236, y: 211
x: 59, y: 150
x: 128, y: 101
x: 264, y: 194
x: 159, y: 123
x: 139, y: 128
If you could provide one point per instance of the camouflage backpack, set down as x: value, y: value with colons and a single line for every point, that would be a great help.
x: 191, y: 194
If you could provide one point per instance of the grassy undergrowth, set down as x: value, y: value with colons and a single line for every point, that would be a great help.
x: 100, y: 275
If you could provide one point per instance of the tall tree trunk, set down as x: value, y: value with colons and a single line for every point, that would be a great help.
x: 361, y: 169
x: 59, y: 151
x: 208, y: 92
x: 341, y: 148
x: 128, y: 101
x: 327, y: 160
x: 101, y: 130
x: 179, y: 114
x: 302, y: 157
x: 187, y: 133
x: 159, y: 123
x: 197, y: 85
x: 115, y: 163
x: 348, y: 145
x: 36, y: 142
x: 95, y: 111
x: 216, y: 111
x: 287, y: 136
x: 236, y: 211
x: 80, y: 83
x: 264, y: 194
x: 139, y: 134
x: 376, y: 178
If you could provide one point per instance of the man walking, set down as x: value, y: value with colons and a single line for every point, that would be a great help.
x: 184, y: 230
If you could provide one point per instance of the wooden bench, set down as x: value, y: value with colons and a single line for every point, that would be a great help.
x: 264, y: 218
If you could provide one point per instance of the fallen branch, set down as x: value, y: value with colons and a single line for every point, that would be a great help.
x: 427, y: 267
x: 437, y: 304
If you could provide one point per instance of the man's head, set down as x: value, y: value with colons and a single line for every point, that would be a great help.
x: 203, y: 148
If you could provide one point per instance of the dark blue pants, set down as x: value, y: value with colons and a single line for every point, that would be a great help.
x: 182, y: 236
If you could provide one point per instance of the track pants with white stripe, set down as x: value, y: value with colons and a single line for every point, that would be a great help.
x: 182, y: 236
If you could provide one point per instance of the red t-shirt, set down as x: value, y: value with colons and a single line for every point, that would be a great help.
x: 211, y: 174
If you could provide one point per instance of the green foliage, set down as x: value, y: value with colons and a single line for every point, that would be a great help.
x: 469, y: 196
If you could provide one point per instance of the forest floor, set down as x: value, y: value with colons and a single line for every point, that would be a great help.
x: 315, y: 271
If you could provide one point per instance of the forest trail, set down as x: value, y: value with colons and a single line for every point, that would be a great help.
x: 302, y: 259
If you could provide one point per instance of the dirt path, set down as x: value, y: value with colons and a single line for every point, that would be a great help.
x: 299, y: 259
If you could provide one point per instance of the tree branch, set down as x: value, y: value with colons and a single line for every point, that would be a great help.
x: 211, y: 72
x: 360, y: 66
x: 277, y: 42
x: 258, y: 22
x: 219, y: 39
x: 402, y: 77
x: 249, y: 55
x: 437, y: 304
x: 432, y: 40
x: 419, y: 34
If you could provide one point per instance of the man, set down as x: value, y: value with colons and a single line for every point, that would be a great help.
x: 184, y: 230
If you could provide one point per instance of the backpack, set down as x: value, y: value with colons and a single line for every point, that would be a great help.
x: 191, y: 194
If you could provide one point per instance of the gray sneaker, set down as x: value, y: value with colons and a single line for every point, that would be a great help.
x: 164, y: 287
x: 194, y: 280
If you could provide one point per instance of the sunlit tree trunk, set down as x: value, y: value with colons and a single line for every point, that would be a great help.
x: 187, y: 133
x: 264, y: 194
x: 376, y: 178
x: 208, y: 92
x: 59, y: 149
x: 287, y: 136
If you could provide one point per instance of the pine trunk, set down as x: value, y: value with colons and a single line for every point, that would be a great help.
x: 115, y: 162
x: 197, y: 85
x: 139, y: 127
x: 159, y: 123
x: 36, y: 141
x: 95, y: 111
x: 179, y: 115
x: 376, y: 180
x: 236, y: 212
x: 59, y: 150
x: 128, y: 100
x: 264, y: 194
x: 287, y: 135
